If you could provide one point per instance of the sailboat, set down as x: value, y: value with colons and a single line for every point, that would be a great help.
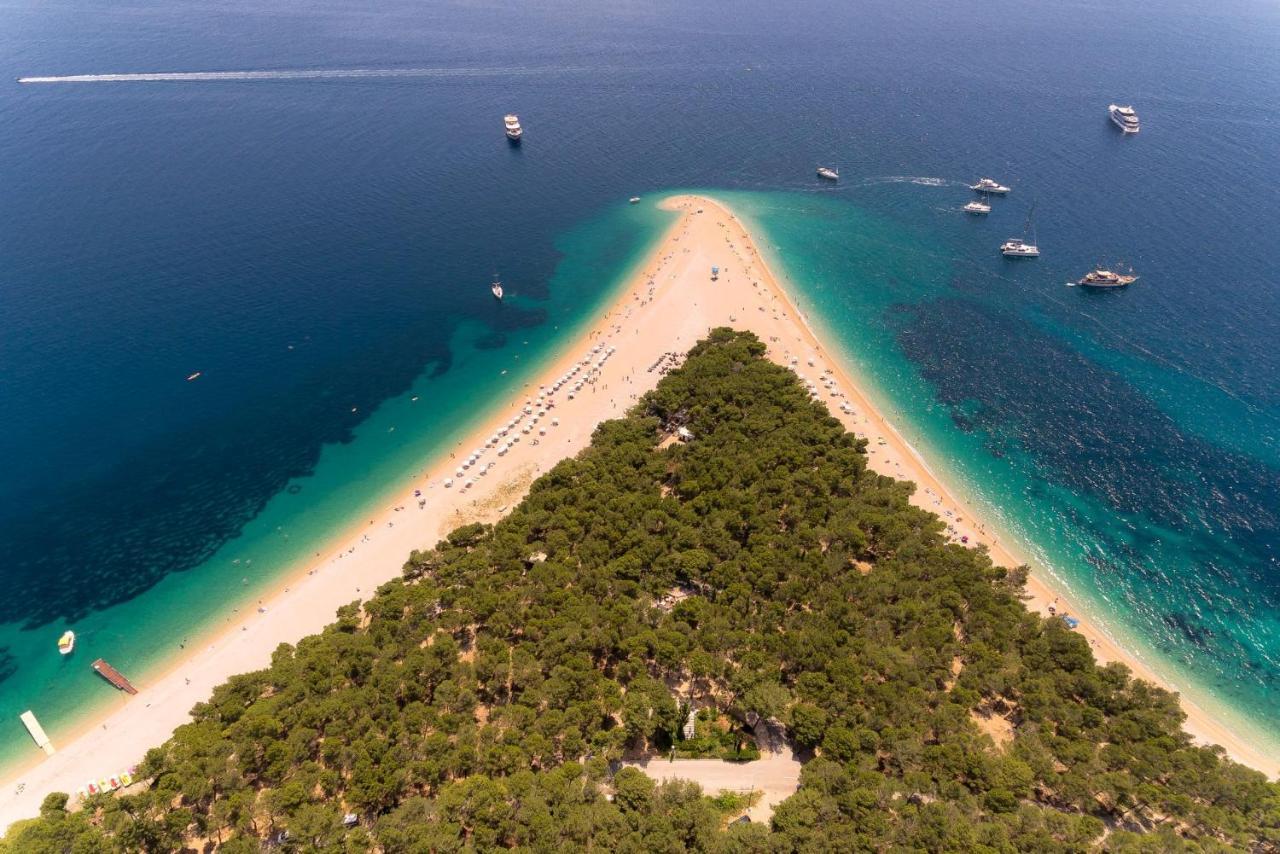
x: 1016, y: 247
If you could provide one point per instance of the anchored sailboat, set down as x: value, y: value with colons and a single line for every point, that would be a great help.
x: 1016, y: 247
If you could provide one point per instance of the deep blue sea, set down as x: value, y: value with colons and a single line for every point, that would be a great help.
x: 318, y: 244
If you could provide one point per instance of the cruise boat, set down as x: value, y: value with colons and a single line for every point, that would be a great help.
x: 1124, y: 118
x: 829, y: 172
x: 987, y: 185
x: 1100, y: 277
x: 514, y: 131
x: 496, y: 289
x: 67, y: 642
x: 977, y: 206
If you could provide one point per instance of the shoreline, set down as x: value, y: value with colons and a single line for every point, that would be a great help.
x: 1204, y: 727
x: 663, y: 303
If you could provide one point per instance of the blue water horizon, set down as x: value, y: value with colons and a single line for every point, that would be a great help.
x: 319, y: 249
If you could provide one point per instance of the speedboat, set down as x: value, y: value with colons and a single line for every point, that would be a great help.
x: 829, y: 172
x: 1017, y: 248
x: 67, y: 642
x: 987, y: 185
x: 1124, y: 118
x: 512, y: 122
x: 1100, y: 277
x: 635, y: 200
x: 977, y: 206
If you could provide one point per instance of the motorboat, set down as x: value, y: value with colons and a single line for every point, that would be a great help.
x: 989, y: 186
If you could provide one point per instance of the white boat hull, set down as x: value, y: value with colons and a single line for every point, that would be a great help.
x: 1120, y: 124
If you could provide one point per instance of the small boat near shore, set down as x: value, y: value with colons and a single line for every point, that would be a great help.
x: 831, y: 173
x: 989, y: 186
x: 67, y: 643
x: 1101, y: 277
x: 635, y: 200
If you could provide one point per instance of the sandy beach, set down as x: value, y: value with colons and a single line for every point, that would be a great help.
x: 662, y: 311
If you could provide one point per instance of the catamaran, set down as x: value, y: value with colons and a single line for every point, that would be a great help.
x: 1018, y: 247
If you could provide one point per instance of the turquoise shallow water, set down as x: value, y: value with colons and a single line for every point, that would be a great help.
x: 313, y: 242
x: 1137, y: 574
x: 349, y: 480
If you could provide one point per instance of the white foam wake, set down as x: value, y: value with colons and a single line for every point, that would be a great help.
x: 922, y: 180
x: 299, y: 74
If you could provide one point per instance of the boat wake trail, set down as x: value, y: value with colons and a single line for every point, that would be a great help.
x: 297, y: 74
x: 923, y: 181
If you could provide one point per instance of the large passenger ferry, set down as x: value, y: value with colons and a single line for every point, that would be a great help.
x: 1100, y: 277
x: 1124, y: 117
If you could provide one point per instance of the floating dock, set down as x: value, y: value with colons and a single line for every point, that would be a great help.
x: 109, y: 673
x: 37, y: 731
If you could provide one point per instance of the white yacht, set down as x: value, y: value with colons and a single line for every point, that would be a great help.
x: 987, y: 185
x: 1124, y: 118
x: 514, y: 131
x: 977, y: 206
x: 829, y: 172
x: 496, y: 289
x: 1016, y: 247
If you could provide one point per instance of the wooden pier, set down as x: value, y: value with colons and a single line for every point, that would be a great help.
x: 109, y: 673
